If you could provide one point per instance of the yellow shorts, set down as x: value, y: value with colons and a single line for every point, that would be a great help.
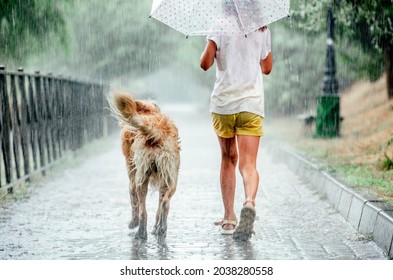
x: 243, y: 123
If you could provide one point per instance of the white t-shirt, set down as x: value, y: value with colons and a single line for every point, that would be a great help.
x: 239, y: 83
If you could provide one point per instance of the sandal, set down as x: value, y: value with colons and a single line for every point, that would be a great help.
x: 228, y: 231
x: 249, y: 200
x: 244, y: 230
x: 218, y: 223
x: 223, y: 223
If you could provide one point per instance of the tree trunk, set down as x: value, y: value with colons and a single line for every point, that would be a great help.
x: 389, y: 69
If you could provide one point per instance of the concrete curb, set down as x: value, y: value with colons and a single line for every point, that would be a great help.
x: 368, y: 216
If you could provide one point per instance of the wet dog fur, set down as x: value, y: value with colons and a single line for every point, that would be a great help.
x: 151, y: 147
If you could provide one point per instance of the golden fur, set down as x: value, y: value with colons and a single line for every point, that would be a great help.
x: 150, y: 144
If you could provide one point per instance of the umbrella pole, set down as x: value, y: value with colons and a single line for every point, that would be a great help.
x: 240, y: 20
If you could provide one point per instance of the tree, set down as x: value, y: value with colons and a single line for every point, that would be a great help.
x: 116, y: 38
x: 25, y: 24
x: 110, y: 39
x: 371, y: 23
x: 366, y: 22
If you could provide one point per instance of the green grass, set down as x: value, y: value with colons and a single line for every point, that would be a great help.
x: 361, y: 177
x: 374, y: 177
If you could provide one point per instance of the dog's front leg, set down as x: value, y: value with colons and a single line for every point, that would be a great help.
x: 142, y: 192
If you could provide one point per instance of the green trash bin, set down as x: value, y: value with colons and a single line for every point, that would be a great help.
x: 328, y: 116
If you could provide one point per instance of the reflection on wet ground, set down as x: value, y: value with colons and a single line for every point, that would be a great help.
x: 228, y: 247
x: 83, y: 212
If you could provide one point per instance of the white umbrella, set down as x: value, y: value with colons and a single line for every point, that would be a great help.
x: 220, y: 17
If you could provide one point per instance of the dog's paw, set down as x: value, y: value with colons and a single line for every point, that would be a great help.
x: 161, y: 232
x: 154, y: 231
x: 161, y: 239
x: 141, y: 234
x: 134, y: 223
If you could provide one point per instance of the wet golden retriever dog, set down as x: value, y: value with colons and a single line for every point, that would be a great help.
x: 151, y: 147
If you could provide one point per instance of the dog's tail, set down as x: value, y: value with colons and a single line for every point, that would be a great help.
x: 123, y: 106
x: 124, y: 109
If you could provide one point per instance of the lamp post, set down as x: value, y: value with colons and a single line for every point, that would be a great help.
x: 328, y: 104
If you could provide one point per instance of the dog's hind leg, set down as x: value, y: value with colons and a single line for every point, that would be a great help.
x: 141, y: 191
x: 161, y: 196
x: 169, y: 168
x: 162, y: 225
x: 134, y: 200
x: 134, y: 208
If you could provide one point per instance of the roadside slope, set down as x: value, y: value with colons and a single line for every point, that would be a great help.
x: 358, y: 156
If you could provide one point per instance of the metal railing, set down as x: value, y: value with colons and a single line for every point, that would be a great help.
x: 43, y: 116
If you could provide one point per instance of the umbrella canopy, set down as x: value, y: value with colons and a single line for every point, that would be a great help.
x: 220, y: 17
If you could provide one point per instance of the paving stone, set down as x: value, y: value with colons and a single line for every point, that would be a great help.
x: 83, y: 212
x: 361, y: 213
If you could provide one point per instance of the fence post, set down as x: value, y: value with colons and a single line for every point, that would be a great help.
x: 66, y: 131
x: 51, y: 108
x: 57, y: 101
x: 72, y: 116
x: 80, y: 98
x: 1, y: 121
x: 44, y: 115
x: 24, y: 115
x: 46, y: 120
x: 40, y: 117
x: 32, y: 121
x: 5, y: 126
x: 15, y: 123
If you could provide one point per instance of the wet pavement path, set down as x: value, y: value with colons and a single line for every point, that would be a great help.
x: 83, y: 212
